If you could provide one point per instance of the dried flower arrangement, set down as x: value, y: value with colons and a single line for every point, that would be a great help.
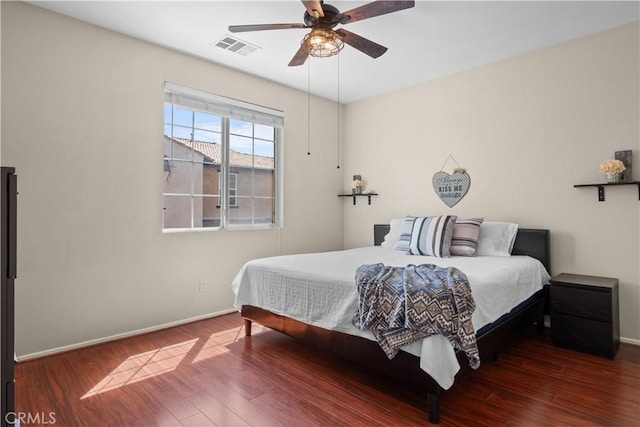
x: 612, y: 166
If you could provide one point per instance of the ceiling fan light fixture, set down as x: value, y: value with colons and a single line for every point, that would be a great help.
x: 323, y: 42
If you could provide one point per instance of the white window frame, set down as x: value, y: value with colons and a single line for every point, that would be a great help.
x: 227, y: 108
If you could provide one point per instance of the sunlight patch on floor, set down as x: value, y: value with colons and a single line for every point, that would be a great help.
x: 142, y: 366
x: 217, y: 344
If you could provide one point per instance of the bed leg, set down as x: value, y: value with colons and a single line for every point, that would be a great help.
x: 434, y: 408
x: 247, y: 327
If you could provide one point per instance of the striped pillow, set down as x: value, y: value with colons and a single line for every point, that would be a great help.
x: 405, y: 234
x: 465, y: 236
x: 431, y: 235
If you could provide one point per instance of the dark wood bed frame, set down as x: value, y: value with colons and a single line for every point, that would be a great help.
x: 405, y: 367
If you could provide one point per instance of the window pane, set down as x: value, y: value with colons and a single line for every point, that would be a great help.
x: 180, y: 132
x: 167, y: 114
x: 198, y: 211
x: 206, y: 136
x: 207, y: 122
x: 253, y: 211
x: 264, y: 183
x: 264, y: 132
x: 209, y: 152
x: 256, y: 181
x: 180, y: 116
x: 178, y: 178
x: 177, y: 212
x: 264, y: 148
x: 264, y: 211
x: 178, y: 148
x: 240, y: 127
x: 197, y: 171
x: 241, y: 144
x: 243, y: 213
x: 210, y: 180
x: 210, y: 211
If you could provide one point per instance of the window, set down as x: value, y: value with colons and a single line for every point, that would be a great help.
x: 221, y: 162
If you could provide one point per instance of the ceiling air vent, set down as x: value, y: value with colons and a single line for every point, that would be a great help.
x: 235, y: 45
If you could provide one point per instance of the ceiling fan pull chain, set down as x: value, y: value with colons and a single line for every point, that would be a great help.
x: 338, y: 148
x: 309, y: 109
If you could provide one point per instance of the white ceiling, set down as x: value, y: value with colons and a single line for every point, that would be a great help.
x: 431, y: 40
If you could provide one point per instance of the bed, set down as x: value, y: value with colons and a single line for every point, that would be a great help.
x: 311, y: 297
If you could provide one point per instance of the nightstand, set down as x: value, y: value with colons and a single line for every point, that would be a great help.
x: 584, y: 313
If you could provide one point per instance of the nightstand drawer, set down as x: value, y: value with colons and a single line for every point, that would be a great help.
x: 584, y: 302
x: 584, y: 313
x: 582, y: 334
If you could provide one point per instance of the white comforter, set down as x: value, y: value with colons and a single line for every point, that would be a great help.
x: 319, y: 289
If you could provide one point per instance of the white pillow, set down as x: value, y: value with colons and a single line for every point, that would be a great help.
x: 393, y: 236
x: 496, y: 238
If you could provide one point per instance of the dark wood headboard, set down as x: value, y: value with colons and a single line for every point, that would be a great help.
x: 529, y: 241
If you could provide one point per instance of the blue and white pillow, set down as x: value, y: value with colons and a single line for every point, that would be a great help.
x: 404, y: 243
x: 430, y: 236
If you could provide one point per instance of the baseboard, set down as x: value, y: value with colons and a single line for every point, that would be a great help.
x: 630, y: 341
x: 76, y: 346
x: 57, y: 350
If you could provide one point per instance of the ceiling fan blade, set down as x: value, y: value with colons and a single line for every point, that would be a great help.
x: 375, y: 8
x: 314, y: 7
x: 300, y: 57
x: 365, y: 46
x: 262, y: 27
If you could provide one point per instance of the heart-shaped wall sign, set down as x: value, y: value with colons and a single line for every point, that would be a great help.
x: 451, y: 188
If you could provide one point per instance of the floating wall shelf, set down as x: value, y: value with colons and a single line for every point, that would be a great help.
x: 367, y: 195
x: 612, y: 184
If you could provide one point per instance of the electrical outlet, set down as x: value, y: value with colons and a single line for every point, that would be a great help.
x: 203, y: 286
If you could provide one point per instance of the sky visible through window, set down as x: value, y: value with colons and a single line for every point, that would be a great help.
x: 245, y: 137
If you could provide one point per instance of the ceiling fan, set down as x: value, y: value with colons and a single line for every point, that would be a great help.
x: 323, y: 40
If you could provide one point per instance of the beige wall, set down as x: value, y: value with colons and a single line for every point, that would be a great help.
x: 82, y: 122
x: 82, y: 114
x: 526, y: 129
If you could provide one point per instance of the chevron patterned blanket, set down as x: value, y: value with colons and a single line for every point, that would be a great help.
x: 403, y: 304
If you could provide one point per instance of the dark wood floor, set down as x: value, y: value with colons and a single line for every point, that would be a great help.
x: 206, y: 373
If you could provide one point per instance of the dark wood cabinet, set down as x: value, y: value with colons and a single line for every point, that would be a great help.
x: 584, y: 313
x: 8, y: 226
